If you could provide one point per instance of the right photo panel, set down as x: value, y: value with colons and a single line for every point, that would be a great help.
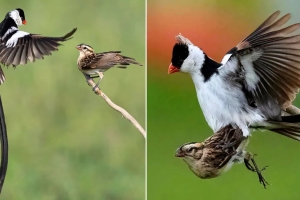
x: 223, y: 112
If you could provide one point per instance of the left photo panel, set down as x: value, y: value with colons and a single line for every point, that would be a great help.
x: 73, y: 100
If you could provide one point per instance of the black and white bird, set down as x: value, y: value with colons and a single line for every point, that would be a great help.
x: 254, y: 83
x: 18, y: 47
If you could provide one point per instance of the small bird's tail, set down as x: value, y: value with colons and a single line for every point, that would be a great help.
x: 124, y: 60
x: 2, y: 77
x: 289, y: 126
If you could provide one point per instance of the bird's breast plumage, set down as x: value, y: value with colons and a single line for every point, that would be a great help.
x: 224, y: 103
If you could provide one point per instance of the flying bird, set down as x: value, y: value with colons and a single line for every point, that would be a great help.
x: 91, y: 63
x: 18, y: 47
x: 254, y: 83
x: 218, y: 153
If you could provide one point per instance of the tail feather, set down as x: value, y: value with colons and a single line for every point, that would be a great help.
x: 291, y: 119
x: 288, y: 129
x: 4, y: 146
x: 288, y: 133
x: 2, y: 77
x: 127, y: 61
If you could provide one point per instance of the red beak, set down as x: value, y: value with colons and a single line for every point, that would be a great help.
x: 172, y: 69
x: 24, y: 22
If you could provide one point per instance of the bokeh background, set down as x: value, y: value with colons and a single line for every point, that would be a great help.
x: 64, y: 141
x: 174, y: 115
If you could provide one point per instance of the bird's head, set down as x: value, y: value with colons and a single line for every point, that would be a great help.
x: 18, y: 16
x: 190, y: 152
x: 85, y: 49
x: 186, y: 57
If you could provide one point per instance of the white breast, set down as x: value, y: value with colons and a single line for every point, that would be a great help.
x: 223, y: 103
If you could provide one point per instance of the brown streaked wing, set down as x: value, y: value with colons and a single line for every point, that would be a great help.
x: 102, y: 60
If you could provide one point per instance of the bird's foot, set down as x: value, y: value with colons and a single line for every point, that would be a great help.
x: 253, y: 167
x: 95, y: 89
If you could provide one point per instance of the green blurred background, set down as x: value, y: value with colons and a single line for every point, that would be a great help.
x: 174, y: 116
x: 64, y: 141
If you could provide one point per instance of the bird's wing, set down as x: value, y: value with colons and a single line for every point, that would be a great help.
x: 269, y: 59
x: 104, y: 60
x: 22, y: 47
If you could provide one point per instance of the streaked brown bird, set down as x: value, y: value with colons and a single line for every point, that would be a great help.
x: 18, y: 47
x: 217, y: 154
x: 91, y: 63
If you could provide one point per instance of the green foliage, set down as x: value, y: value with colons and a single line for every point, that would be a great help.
x: 64, y: 141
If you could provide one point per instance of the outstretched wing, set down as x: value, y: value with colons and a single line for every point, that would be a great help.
x: 270, y: 64
x: 22, y: 47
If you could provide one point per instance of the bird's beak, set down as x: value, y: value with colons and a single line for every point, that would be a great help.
x: 78, y: 47
x: 24, y: 22
x: 172, y: 69
x: 179, y: 153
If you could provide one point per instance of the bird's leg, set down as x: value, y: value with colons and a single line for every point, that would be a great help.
x: 87, y: 78
x: 101, y: 75
x: 253, y: 167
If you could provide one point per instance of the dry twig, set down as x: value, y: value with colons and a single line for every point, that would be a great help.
x: 117, y: 108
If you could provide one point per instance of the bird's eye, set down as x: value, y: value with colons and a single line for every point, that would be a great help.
x: 190, y: 149
x: 84, y: 48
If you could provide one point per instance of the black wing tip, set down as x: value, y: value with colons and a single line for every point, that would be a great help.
x: 68, y: 35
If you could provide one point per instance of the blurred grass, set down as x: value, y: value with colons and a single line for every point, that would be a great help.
x: 64, y: 141
x: 174, y: 116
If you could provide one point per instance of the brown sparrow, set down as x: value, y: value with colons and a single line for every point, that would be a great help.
x: 218, y: 153
x: 91, y: 63
x: 18, y: 47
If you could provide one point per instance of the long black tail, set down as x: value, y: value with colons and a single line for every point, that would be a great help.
x: 289, y: 126
x: 4, y: 146
x: 291, y: 119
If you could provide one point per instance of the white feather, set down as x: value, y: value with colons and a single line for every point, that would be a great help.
x: 191, y: 63
x: 250, y: 76
x: 226, y: 58
x: 15, y: 15
x: 14, y: 38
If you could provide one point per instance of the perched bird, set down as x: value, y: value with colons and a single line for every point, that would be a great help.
x: 254, y: 83
x: 218, y: 153
x: 18, y: 47
x: 4, y: 146
x: 91, y: 63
